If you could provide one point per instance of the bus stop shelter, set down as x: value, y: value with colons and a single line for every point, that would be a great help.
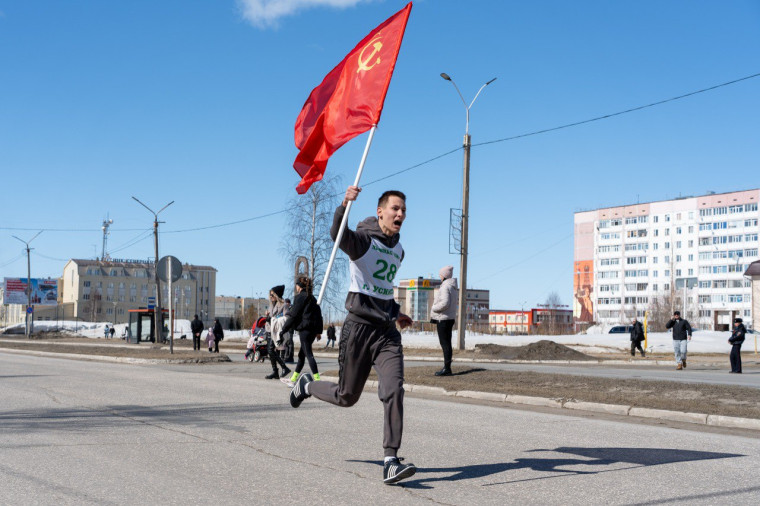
x: 142, y: 323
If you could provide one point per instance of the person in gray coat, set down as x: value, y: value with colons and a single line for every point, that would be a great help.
x: 443, y: 314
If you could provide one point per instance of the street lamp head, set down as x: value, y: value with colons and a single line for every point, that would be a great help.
x: 445, y: 76
x: 492, y: 80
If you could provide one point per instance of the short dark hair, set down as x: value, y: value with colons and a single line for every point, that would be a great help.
x: 676, y: 313
x: 390, y: 193
x: 195, y: 316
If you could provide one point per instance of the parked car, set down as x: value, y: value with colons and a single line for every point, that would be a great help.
x: 621, y: 329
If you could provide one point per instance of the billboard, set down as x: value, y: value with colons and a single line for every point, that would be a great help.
x: 583, y: 287
x: 44, y: 291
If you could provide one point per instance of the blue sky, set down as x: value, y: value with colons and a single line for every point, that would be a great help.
x: 196, y: 101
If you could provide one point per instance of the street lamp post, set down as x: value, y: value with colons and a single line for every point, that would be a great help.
x: 157, y: 310
x: 28, y: 317
x: 465, y: 212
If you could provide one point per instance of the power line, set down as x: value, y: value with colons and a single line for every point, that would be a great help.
x: 52, y: 258
x: 138, y: 238
x: 16, y: 259
x: 71, y: 229
x: 430, y: 160
x: 606, y: 116
x: 525, y: 259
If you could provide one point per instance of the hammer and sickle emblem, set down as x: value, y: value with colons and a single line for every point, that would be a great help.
x: 366, y: 63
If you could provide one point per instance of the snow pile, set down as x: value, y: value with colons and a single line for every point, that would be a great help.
x: 704, y: 341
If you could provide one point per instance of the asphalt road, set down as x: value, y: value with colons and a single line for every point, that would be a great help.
x: 75, y: 432
x: 694, y: 373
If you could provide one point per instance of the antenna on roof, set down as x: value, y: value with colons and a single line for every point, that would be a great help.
x: 106, y: 223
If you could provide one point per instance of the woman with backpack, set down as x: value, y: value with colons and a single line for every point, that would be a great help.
x: 305, y: 317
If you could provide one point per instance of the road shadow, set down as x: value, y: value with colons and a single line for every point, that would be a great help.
x: 468, y: 371
x: 594, y: 461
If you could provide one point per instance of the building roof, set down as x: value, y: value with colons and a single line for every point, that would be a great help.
x: 134, y: 263
x: 666, y: 200
x: 754, y: 269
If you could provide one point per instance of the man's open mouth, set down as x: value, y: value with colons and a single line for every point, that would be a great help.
x: 397, y: 222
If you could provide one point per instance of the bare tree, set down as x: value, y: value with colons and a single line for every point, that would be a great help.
x: 93, y: 307
x: 307, y: 234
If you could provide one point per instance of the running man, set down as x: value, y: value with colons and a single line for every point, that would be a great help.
x: 369, y: 336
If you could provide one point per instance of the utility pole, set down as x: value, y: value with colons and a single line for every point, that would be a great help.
x: 157, y: 310
x: 464, y: 243
x: 462, y: 316
x: 28, y: 318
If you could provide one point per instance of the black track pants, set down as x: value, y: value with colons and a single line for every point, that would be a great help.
x: 274, y: 355
x: 305, y: 353
x: 361, y: 348
x: 444, y: 328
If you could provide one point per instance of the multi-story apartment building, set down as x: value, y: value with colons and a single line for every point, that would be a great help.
x: 690, y: 252
x: 227, y: 306
x: 105, y: 290
x: 415, y: 296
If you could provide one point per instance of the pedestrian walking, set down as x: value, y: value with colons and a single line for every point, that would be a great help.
x: 330, y: 336
x: 218, y: 334
x: 443, y: 314
x: 112, y: 331
x: 289, y: 351
x: 637, y: 336
x: 369, y: 337
x: 736, y: 340
x: 681, y: 334
x: 305, y: 317
x: 210, y: 339
x: 196, y: 327
x: 275, y: 319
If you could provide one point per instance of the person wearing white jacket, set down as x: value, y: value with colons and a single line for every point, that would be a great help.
x: 443, y: 314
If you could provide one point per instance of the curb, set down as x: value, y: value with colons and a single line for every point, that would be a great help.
x: 640, y: 362
x: 105, y: 358
x: 594, y: 407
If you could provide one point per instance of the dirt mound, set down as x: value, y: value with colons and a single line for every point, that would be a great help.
x: 542, y: 350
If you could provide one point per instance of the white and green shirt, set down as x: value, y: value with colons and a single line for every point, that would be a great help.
x: 374, y: 272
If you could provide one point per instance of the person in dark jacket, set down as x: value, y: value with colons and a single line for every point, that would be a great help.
x: 196, y: 327
x: 287, y: 353
x: 637, y: 336
x: 306, y: 317
x: 330, y: 336
x: 736, y: 340
x: 369, y: 337
x: 218, y: 334
x: 681, y: 334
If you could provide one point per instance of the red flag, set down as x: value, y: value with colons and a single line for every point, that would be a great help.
x: 349, y: 100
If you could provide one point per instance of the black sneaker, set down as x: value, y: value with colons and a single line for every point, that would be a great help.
x: 444, y: 372
x: 285, y: 373
x: 298, y: 394
x: 394, y: 471
x: 272, y: 376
